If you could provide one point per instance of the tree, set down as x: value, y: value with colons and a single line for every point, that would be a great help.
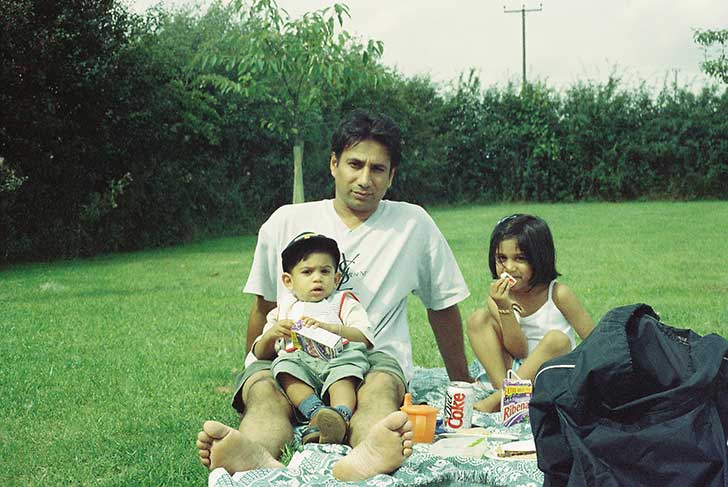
x: 716, y: 67
x: 60, y: 84
x: 293, y: 63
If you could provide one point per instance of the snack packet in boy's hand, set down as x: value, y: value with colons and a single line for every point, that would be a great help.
x: 317, y: 342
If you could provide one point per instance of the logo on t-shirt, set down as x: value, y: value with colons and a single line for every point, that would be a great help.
x: 345, y: 267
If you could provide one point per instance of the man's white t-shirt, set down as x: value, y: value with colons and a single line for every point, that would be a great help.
x: 397, y: 251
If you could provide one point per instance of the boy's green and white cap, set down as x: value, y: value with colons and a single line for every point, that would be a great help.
x: 306, y: 243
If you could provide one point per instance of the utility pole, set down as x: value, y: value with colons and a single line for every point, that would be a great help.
x: 523, y: 11
x: 674, y: 84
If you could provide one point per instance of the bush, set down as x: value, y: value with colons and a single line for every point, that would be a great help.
x: 112, y: 136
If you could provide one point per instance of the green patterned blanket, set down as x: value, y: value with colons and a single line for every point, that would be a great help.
x: 312, y: 466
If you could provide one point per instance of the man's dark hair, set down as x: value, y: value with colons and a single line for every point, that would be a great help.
x: 534, y: 240
x: 306, y: 244
x: 360, y: 125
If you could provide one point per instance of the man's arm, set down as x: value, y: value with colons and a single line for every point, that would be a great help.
x: 447, y: 325
x: 256, y: 320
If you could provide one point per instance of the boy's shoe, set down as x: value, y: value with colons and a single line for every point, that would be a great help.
x: 310, y: 434
x: 331, y: 425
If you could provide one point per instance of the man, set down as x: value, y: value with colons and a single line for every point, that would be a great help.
x: 389, y: 251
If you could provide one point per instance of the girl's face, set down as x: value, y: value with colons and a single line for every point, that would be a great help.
x: 510, y: 259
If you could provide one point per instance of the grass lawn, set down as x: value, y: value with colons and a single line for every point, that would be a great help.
x: 109, y: 365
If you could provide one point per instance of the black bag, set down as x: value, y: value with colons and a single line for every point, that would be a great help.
x: 636, y: 403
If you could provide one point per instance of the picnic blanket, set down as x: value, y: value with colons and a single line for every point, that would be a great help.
x: 312, y: 465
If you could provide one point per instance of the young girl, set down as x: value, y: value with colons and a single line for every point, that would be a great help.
x: 530, y: 318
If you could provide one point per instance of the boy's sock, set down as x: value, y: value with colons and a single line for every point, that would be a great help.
x: 345, y: 412
x: 310, y: 406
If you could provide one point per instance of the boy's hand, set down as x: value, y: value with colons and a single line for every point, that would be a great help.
x: 310, y: 322
x: 499, y: 292
x: 282, y: 329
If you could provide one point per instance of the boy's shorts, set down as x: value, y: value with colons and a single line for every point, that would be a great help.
x: 378, y: 362
x: 319, y: 373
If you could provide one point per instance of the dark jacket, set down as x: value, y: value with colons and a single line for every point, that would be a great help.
x: 636, y: 403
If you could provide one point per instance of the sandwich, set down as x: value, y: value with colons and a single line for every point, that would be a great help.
x: 517, y: 449
x: 508, y: 278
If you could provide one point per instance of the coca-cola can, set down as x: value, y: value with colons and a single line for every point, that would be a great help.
x: 458, y: 412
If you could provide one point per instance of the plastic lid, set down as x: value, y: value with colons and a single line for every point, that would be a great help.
x: 410, y: 408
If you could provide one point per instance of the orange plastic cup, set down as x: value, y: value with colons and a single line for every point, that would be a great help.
x: 423, y: 419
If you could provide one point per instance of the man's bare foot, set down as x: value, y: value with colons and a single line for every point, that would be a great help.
x: 222, y: 446
x: 384, y: 449
x: 490, y: 404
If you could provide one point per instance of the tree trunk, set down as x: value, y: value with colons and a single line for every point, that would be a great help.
x: 298, y: 170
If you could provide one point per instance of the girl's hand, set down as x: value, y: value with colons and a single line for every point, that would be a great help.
x: 499, y: 292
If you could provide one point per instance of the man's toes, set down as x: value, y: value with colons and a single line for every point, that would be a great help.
x: 203, y: 437
x: 215, y: 430
x: 204, y: 457
x: 396, y: 420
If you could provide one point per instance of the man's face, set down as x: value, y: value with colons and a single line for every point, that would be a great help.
x: 313, y: 278
x: 362, y: 174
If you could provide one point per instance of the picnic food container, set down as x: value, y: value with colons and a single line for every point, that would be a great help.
x: 461, y: 446
x: 515, y: 399
x: 423, y: 419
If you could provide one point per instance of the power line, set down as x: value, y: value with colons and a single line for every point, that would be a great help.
x: 523, y: 11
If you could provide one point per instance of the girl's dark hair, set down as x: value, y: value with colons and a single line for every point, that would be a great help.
x: 360, y: 125
x: 534, y: 240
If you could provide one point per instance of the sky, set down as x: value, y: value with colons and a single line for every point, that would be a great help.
x: 567, y: 41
